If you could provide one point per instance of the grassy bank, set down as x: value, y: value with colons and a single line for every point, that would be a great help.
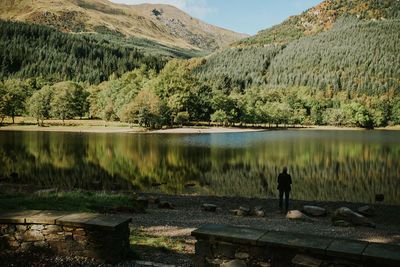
x: 74, y: 201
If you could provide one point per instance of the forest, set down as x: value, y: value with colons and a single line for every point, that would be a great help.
x: 347, y: 76
x: 29, y: 50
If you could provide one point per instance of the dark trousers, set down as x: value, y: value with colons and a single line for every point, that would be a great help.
x: 286, y: 199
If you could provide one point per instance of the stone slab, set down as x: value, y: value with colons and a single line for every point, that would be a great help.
x: 351, y: 249
x: 16, y: 216
x: 46, y: 217
x: 77, y: 219
x: 382, y: 253
x: 93, y: 219
x: 229, y: 233
x: 110, y: 221
x: 296, y: 241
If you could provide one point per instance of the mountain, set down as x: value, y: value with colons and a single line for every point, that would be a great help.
x: 322, y: 17
x: 164, y: 24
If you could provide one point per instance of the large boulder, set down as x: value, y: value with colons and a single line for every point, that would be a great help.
x: 314, y: 211
x: 352, y: 217
x: 298, y: 215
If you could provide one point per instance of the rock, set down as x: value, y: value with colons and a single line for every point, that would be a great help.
x: 37, y: 227
x: 214, y: 262
x: 352, y: 217
x: 260, y: 213
x: 242, y: 211
x: 209, y: 207
x: 298, y: 215
x: 305, y: 261
x: 166, y: 205
x: 341, y: 223
x: 234, y: 263
x: 242, y: 255
x: 80, y: 232
x: 41, y: 244
x: 366, y: 211
x: 26, y: 245
x: 234, y: 212
x: 314, y: 211
x: 256, y: 208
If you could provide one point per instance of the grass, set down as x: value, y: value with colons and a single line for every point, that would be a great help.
x: 74, y: 201
x: 144, y: 243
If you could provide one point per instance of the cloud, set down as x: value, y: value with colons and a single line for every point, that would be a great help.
x: 196, y: 8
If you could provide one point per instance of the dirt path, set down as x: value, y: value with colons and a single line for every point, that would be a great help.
x: 178, y: 223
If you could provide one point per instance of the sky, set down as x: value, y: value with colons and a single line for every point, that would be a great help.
x: 244, y: 16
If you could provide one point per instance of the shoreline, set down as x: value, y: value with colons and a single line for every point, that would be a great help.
x: 174, y: 225
x: 186, y: 216
x: 181, y: 130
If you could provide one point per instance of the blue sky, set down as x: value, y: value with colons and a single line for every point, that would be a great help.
x: 244, y: 16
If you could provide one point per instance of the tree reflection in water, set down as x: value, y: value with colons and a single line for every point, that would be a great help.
x: 325, y: 165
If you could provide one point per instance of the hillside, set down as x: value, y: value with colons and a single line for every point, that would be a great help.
x: 354, y: 56
x: 161, y: 23
x: 29, y: 50
x: 322, y: 17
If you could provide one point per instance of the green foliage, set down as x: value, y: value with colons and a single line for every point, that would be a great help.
x: 79, y: 201
x: 220, y: 116
x: 145, y: 109
x: 237, y: 68
x: 395, y: 111
x: 4, y: 99
x: 68, y: 101
x: 29, y: 50
x: 361, y: 57
x: 108, y: 98
x: 14, y: 95
x: 182, y: 118
x: 144, y: 242
x: 39, y: 105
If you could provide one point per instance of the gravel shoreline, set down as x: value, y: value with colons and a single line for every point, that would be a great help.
x: 178, y: 223
x: 187, y: 216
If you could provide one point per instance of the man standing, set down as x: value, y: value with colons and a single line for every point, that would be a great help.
x: 284, y: 182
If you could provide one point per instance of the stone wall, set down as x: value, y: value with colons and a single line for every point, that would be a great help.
x: 224, y: 245
x: 105, y: 238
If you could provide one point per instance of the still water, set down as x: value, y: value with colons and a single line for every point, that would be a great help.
x: 325, y: 165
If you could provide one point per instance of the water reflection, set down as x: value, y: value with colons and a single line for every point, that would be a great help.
x: 325, y: 165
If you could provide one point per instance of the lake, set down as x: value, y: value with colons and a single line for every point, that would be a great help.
x: 325, y: 165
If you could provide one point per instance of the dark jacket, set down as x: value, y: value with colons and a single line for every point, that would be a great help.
x: 284, y: 182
